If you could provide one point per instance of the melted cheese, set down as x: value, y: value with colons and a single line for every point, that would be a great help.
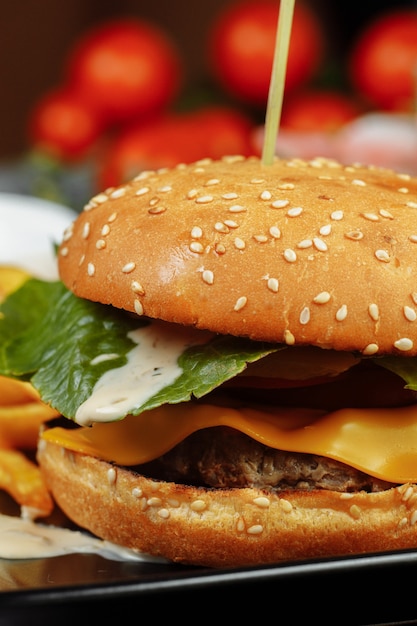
x: 380, y: 442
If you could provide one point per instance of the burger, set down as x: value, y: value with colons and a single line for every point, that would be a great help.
x: 232, y: 347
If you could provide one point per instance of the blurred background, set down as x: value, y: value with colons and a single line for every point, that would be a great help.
x: 38, y: 59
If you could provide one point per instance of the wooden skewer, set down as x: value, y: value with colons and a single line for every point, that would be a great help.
x: 276, y: 87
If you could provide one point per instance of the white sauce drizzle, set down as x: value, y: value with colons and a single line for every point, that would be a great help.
x: 151, y: 366
x: 24, y: 539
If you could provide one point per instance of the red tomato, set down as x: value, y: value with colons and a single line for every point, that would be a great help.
x: 318, y: 111
x: 63, y: 126
x: 241, y: 46
x: 383, y: 61
x: 125, y: 69
x: 175, y: 138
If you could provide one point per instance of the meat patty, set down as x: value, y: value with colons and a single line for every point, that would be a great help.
x: 222, y: 457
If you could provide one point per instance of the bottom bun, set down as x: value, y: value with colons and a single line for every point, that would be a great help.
x: 225, y: 528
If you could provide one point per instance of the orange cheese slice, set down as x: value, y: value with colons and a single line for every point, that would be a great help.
x: 380, y: 442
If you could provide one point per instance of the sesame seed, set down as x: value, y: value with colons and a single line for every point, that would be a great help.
x: 341, y: 313
x: 237, y: 208
x: 273, y: 284
x: 404, y: 344
x: 86, y: 230
x: 239, y: 243
x: 231, y: 223
x: 219, y: 248
x: 212, y: 181
x: 372, y: 217
x: 403, y: 190
x: 409, y: 314
x: 305, y: 243
x: 322, y: 297
x: 196, y: 232
x: 413, y: 518
x: 290, y: 255
x: 153, y: 201
x: 118, y: 193
x: 355, y: 511
x: 91, y: 270
x: 165, y: 188
x: 164, y: 513
x: 230, y: 196
x: 411, y: 205
x: 196, y: 246
x: 325, y: 230
x: 105, y: 230
x: 319, y: 244
x: 385, y: 213
x: 358, y: 182
x: 192, y: 194
x: 100, y: 198
x: 413, y: 238
x: 129, y: 267
x: 138, y: 307
x: 373, y: 310
x: 136, y: 287
x: 265, y: 195
x: 111, y: 476
x: 337, y: 215
x: 294, y: 211
x: 280, y: 204
x: 204, y: 199
x: 305, y: 315
x: 137, y: 492
x: 208, y: 277
x: 198, y: 505
x: 262, y: 501
x: 371, y: 348
x: 157, y: 210
x: 64, y: 251
x: 289, y: 338
x: 407, y: 494
x: 382, y: 255
x: 100, y: 244
x: 286, y: 505
x: 112, y: 217
x: 275, y: 232
x: 240, y: 303
x: 256, y: 529
x: 221, y: 227
x: 154, y: 501
x: 355, y: 235
x: 285, y: 186
x: 260, y: 238
x: 68, y: 232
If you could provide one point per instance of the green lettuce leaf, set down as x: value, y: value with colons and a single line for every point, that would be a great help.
x: 50, y: 337
x: 405, y: 367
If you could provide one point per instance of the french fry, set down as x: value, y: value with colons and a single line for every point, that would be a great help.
x: 23, y: 480
x: 16, y: 392
x: 20, y: 424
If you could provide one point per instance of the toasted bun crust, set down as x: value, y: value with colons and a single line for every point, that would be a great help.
x: 225, y: 528
x: 305, y: 253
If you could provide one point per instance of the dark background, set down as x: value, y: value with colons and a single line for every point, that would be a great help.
x: 37, y: 34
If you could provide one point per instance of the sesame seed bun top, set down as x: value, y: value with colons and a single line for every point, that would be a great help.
x: 297, y: 252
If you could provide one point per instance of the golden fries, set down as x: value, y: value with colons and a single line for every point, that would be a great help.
x: 21, y: 415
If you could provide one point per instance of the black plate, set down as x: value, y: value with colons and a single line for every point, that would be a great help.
x: 371, y: 589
